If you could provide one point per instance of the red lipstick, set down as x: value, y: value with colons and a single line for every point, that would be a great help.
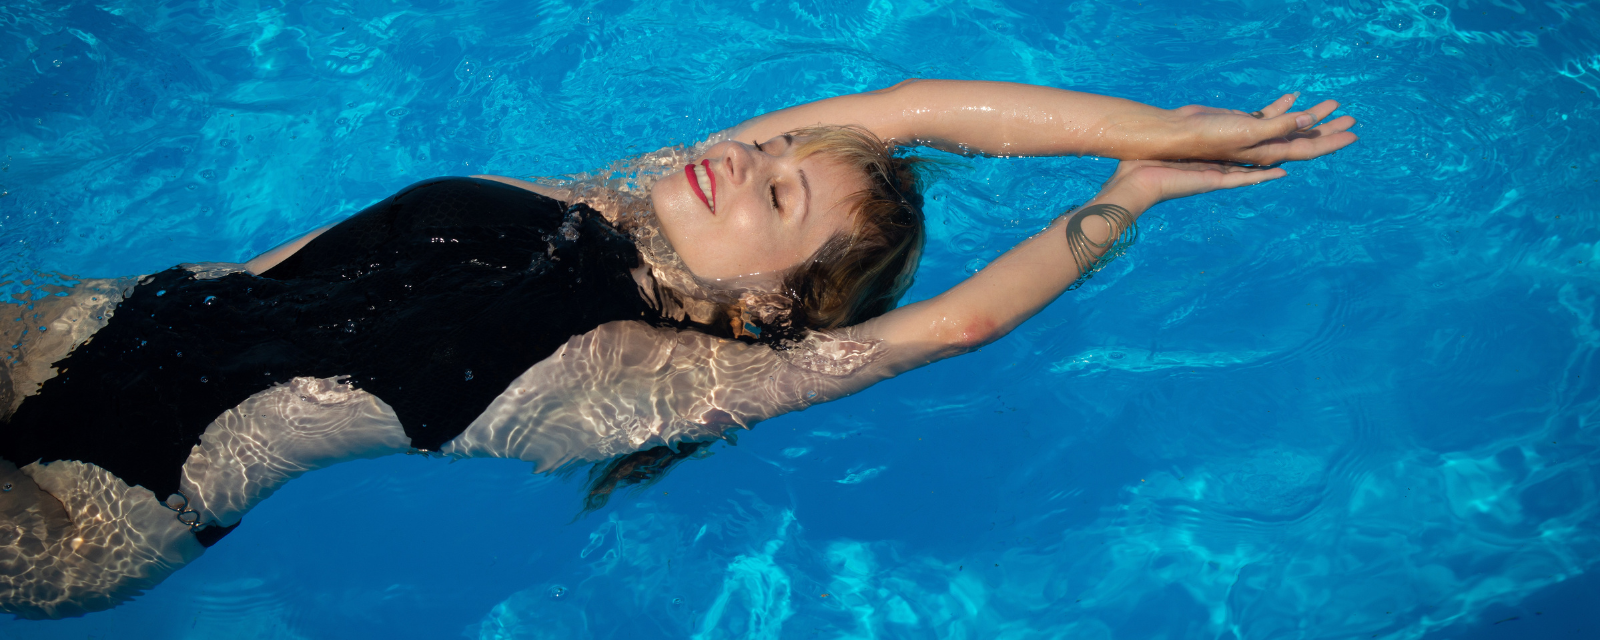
x: 712, y: 175
x: 694, y: 185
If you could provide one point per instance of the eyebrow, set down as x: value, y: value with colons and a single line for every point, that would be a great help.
x: 806, y: 186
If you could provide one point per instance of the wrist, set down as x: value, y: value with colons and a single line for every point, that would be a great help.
x: 1144, y: 131
x: 1128, y: 195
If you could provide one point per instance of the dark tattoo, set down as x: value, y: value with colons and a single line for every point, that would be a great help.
x: 1123, y: 234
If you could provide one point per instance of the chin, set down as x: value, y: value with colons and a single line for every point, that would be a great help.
x: 673, y: 207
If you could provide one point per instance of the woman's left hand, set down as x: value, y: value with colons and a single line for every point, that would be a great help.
x: 1266, y: 137
x: 1146, y: 183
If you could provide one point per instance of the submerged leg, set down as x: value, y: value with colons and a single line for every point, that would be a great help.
x: 34, y: 533
x: 76, y: 539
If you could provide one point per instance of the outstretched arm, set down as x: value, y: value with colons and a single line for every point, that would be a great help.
x: 1017, y: 285
x: 1025, y: 279
x: 628, y: 386
x: 1009, y: 119
x: 1031, y: 275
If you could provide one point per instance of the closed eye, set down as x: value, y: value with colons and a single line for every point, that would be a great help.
x: 773, y: 189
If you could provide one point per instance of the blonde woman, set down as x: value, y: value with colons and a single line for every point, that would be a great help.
x: 626, y: 319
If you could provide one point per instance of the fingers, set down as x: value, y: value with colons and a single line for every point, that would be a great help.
x: 1305, y: 148
x: 1234, y: 180
x: 1279, y: 106
x: 1322, y: 110
x: 1317, y: 146
x: 1285, y: 124
x: 1335, y: 126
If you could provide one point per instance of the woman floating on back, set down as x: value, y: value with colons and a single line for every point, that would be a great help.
x: 621, y: 322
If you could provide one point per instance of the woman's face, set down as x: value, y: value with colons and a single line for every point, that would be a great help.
x: 746, y: 210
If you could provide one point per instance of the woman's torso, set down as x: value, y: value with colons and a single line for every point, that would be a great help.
x: 432, y: 300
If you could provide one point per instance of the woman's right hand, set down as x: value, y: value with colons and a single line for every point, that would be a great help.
x: 1266, y: 137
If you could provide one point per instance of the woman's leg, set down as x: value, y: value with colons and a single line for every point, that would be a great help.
x: 34, y: 534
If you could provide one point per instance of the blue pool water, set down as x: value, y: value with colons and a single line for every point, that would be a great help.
x: 1357, y: 402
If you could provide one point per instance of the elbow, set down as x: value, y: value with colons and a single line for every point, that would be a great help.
x: 965, y: 335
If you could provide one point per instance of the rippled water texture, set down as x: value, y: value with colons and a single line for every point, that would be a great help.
x: 1357, y: 402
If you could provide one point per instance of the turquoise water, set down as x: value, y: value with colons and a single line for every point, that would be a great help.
x: 1357, y: 402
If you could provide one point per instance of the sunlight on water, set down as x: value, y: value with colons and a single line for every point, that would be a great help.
x: 1356, y: 402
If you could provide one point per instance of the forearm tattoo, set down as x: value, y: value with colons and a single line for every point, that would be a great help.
x: 1123, y: 234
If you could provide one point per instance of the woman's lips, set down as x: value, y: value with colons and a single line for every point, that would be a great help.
x: 711, y: 183
x: 712, y: 176
x: 694, y: 185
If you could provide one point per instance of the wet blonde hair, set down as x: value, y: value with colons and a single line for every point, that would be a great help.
x: 854, y: 277
x: 862, y: 273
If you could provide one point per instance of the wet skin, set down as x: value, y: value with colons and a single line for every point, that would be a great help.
x: 772, y: 209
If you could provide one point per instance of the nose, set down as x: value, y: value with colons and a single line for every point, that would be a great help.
x: 740, y: 162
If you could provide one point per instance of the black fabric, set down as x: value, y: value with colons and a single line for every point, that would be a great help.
x: 434, y: 300
x: 210, y: 535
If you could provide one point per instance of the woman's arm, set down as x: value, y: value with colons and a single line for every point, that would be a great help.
x: 260, y: 264
x: 1025, y: 279
x: 1031, y: 275
x: 555, y: 193
x: 1009, y: 119
x: 628, y: 386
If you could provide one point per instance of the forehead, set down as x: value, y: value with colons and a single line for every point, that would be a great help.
x: 832, y: 179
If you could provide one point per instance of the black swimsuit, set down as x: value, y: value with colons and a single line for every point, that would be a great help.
x: 434, y: 300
